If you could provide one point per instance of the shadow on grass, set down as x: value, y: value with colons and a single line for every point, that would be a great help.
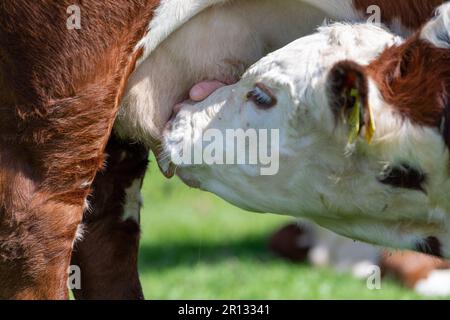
x: 171, y: 255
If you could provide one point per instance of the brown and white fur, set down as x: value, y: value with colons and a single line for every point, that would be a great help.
x: 220, y: 39
x: 60, y: 92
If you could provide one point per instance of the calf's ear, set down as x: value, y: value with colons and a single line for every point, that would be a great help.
x: 347, y: 90
x: 437, y: 31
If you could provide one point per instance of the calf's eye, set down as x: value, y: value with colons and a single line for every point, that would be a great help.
x: 262, y: 97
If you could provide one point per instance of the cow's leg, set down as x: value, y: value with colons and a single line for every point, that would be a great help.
x: 37, y: 232
x: 107, y: 253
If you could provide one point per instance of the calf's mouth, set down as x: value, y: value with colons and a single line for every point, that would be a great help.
x: 197, y: 93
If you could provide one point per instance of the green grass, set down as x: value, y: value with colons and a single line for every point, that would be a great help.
x: 196, y: 246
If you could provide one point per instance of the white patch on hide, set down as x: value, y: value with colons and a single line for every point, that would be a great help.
x: 436, y: 284
x: 133, y: 201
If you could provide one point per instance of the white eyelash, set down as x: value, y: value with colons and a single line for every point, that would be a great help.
x: 261, y: 96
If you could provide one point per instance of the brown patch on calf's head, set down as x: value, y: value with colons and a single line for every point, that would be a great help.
x: 412, y: 13
x: 414, y: 78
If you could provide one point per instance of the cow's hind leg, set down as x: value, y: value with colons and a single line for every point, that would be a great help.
x: 37, y: 231
x: 108, y: 250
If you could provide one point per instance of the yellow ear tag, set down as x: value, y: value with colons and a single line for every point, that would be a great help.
x: 354, y: 121
x: 354, y: 118
x: 370, y: 127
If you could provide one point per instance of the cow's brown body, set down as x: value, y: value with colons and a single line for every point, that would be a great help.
x: 59, y: 95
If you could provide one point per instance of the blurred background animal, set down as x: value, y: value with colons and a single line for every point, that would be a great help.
x: 304, y: 242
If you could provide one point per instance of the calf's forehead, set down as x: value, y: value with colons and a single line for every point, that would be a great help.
x: 312, y: 56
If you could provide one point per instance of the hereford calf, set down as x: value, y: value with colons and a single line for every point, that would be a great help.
x: 319, y: 94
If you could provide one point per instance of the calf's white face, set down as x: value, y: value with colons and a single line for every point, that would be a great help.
x: 298, y: 161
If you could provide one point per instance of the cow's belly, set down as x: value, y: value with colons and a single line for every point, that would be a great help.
x: 219, y: 43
